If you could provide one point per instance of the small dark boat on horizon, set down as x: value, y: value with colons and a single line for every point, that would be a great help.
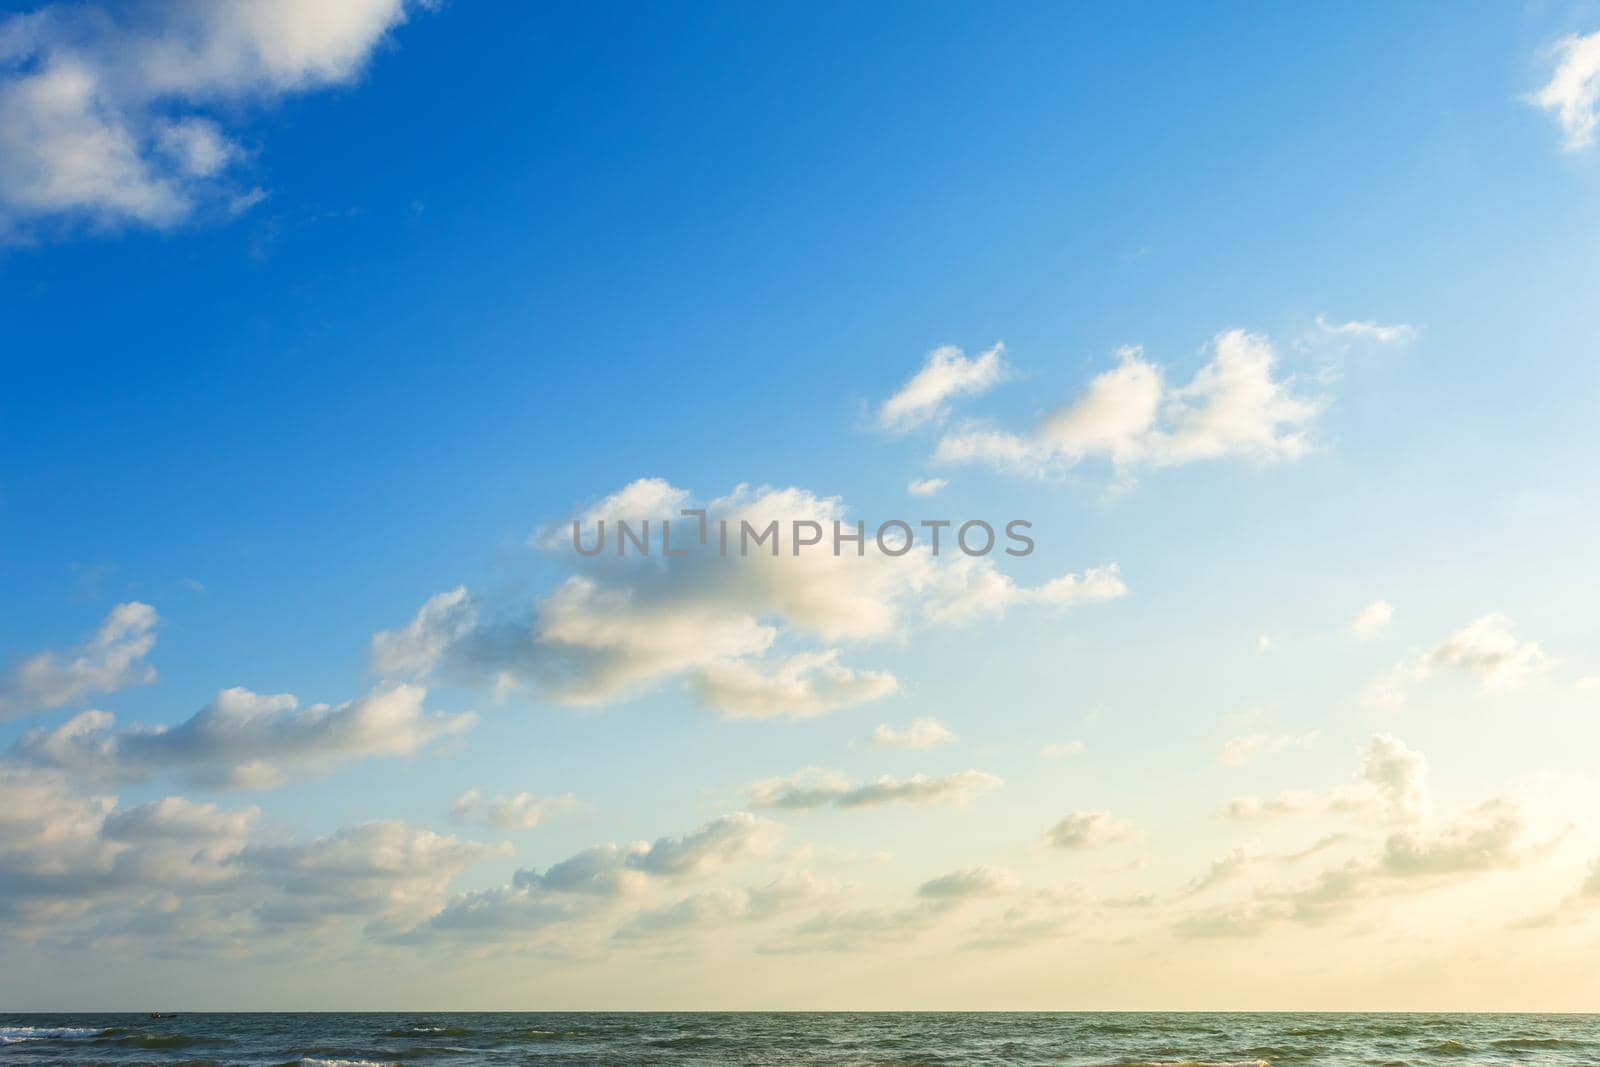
x: 163, y: 1015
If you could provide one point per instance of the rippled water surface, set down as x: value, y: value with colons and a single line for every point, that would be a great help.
x: 351, y: 1040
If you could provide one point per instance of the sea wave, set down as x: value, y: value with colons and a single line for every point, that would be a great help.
x: 11, y: 1035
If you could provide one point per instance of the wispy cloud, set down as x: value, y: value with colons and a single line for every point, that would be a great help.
x: 1573, y: 91
x: 1382, y: 333
x: 947, y: 374
x: 114, y: 658
x: 1372, y: 619
x: 819, y: 789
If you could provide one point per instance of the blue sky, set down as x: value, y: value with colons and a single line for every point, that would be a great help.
x: 484, y: 267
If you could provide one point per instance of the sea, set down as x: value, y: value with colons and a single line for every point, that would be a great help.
x: 889, y: 1039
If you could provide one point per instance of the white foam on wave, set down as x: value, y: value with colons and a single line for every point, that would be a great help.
x: 11, y: 1035
x: 311, y: 1061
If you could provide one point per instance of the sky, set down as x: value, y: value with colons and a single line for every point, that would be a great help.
x: 323, y: 327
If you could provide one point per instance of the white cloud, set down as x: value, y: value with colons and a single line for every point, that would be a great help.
x: 390, y: 872
x: 1573, y: 91
x: 1057, y: 749
x: 822, y: 789
x: 177, y: 875
x: 589, y: 882
x: 1491, y: 836
x: 1090, y: 829
x: 947, y: 374
x: 509, y: 811
x: 926, y: 486
x: 621, y: 624
x: 111, y: 116
x: 1488, y: 648
x: 110, y: 660
x: 969, y: 882
x: 921, y: 734
x: 242, y: 739
x: 1400, y: 775
x: 1392, y: 782
x: 413, y: 649
x: 1393, y: 333
x: 967, y: 590
x: 1238, y: 751
x: 1233, y: 406
x: 1372, y: 619
x: 799, y: 687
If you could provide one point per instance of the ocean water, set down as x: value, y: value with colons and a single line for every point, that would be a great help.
x: 858, y: 1040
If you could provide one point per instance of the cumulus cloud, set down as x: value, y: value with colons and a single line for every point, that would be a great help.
x: 110, y: 660
x: 969, y: 590
x: 242, y: 739
x: 1090, y: 829
x: 608, y: 870
x: 1399, y: 773
x: 926, y: 486
x: 1489, y: 649
x: 390, y: 872
x: 1233, y: 406
x: 1394, y: 333
x: 1494, y: 836
x: 798, y: 687
x: 509, y: 811
x: 596, y: 880
x: 175, y: 873
x: 622, y: 623
x: 947, y: 374
x: 1372, y: 619
x: 1415, y: 852
x: 921, y: 734
x: 968, y: 882
x: 1491, y: 836
x: 825, y: 789
x: 412, y: 650
x: 1391, y: 783
x: 1573, y: 92
x: 1238, y: 751
x: 112, y: 115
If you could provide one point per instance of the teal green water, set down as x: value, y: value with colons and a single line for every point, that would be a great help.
x: 858, y: 1040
